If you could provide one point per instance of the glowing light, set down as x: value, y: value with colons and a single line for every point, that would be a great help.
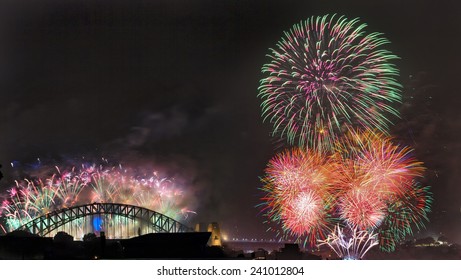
x: 299, y: 188
x: 326, y: 76
x: 367, y: 184
x: 350, y: 243
x: 64, y: 188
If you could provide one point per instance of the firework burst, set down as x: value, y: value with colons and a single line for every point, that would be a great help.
x: 381, y: 165
x: 306, y: 216
x: 328, y: 75
x: 409, y: 210
x: 298, y: 190
x: 68, y: 185
x: 368, y: 184
x: 29, y: 199
x: 350, y: 243
x: 362, y: 209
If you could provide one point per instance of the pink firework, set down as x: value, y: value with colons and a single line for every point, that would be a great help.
x: 298, y: 188
x: 362, y: 209
x: 298, y: 170
x: 30, y: 199
x: 383, y: 166
x: 363, y: 184
x: 305, y: 215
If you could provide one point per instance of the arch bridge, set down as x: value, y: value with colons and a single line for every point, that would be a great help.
x: 117, y: 220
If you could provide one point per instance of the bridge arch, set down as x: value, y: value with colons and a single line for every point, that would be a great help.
x: 151, y: 221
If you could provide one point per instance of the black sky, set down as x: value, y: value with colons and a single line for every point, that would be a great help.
x: 175, y: 83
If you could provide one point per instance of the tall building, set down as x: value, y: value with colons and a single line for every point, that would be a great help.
x: 215, y: 239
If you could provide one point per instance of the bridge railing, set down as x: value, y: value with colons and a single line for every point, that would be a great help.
x: 47, y: 223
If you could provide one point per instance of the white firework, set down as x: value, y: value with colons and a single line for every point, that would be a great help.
x: 350, y: 246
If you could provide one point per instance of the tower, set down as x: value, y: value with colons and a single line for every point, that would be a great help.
x: 215, y: 239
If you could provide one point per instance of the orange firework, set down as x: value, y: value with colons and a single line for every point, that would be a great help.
x: 367, y: 183
x: 299, y: 190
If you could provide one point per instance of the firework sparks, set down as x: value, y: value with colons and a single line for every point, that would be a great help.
x: 362, y: 209
x: 368, y: 184
x: 30, y: 199
x: 381, y: 165
x: 304, y: 214
x: 68, y: 185
x: 350, y: 243
x: 298, y: 190
x: 327, y: 76
x: 410, y: 209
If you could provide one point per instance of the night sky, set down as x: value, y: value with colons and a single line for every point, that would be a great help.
x: 173, y: 84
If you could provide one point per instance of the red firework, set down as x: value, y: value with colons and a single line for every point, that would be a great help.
x: 362, y: 209
x: 360, y: 184
x: 299, y: 186
x: 305, y: 214
x: 297, y: 170
x: 380, y: 165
